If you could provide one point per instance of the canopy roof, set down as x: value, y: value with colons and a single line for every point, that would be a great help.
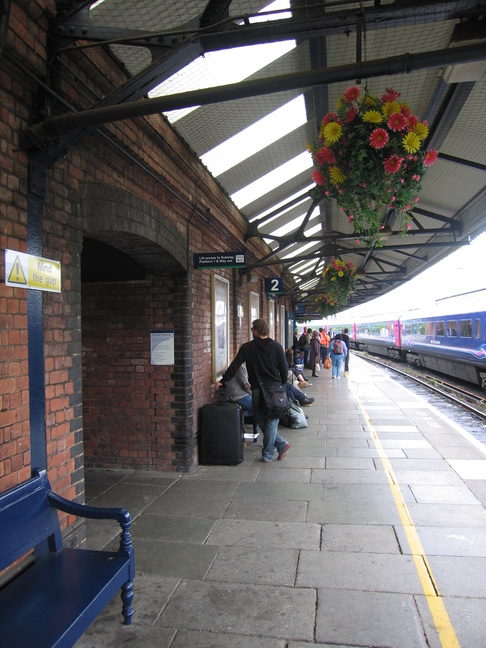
x: 283, y: 69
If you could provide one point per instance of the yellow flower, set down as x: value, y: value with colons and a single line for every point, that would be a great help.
x: 369, y: 100
x: 310, y: 148
x: 333, y: 278
x: 411, y: 142
x: 372, y: 117
x: 340, y: 273
x: 421, y: 130
x: 390, y: 107
x: 337, y: 176
x: 332, y: 133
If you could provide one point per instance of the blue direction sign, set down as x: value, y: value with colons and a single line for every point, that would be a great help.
x: 220, y: 260
x: 274, y: 285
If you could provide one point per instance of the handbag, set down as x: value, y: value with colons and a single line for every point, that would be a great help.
x: 327, y: 363
x: 276, y: 401
x: 296, y: 416
x: 318, y: 366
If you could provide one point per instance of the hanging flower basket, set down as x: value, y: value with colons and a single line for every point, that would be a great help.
x: 338, y: 280
x: 370, y: 156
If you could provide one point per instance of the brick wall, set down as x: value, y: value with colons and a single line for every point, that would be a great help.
x: 105, y: 405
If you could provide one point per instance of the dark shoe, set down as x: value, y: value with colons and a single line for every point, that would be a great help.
x: 284, y: 452
x: 307, y: 401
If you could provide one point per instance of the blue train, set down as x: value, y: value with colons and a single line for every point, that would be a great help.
x: 449, y: 339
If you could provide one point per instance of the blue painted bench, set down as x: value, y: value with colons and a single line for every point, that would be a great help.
x: 60, y: 594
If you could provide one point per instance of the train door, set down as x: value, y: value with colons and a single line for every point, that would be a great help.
x: 354, y: 332
x: 398, y: 333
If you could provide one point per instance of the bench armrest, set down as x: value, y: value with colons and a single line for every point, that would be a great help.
x: 96, y: 513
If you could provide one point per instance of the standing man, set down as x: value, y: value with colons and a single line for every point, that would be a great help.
x: 345, y: 336
x: 267, y: 358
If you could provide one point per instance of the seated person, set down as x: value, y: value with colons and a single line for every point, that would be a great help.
x: 296, y: 373
x: 238, y: 390
x: 294, y: 393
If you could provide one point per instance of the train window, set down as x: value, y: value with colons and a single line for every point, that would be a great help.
x: 478, y: 329
x: 440, y: 329
x: 431, y: 328
x: 465, y: 329
x: 407, y: 330
x: 452, y: 328
x: 421, y: 328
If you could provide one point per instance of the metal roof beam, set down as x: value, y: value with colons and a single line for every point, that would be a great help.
x: 41, y: 134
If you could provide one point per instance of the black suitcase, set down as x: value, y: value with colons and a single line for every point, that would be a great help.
x: 221, y: 434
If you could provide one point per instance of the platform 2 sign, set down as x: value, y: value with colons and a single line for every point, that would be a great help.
x: 28, y: 271
x: 220, y: 260
x: 274, y: 285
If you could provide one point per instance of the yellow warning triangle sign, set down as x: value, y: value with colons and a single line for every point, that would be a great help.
x: 17, y: 274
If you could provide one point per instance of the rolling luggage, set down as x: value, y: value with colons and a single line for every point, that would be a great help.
x: 221, y: 434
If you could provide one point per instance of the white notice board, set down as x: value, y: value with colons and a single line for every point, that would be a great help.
x: 162, y: 347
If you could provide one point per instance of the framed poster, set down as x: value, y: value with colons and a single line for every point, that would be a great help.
x: 271, y: 317
x: 219, y: 325
x: 254, y: 311
x: 283, y: 340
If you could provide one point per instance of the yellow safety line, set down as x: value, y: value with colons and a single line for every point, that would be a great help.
x: 442, y: 622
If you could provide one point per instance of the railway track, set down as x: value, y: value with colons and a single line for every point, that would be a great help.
x: 471, y: 401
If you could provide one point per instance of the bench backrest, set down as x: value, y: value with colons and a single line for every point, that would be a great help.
x: 26, y: 519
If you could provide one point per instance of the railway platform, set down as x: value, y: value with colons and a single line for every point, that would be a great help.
x: 371, y: 532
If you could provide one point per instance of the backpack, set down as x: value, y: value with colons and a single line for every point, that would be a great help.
x: 338, y: 347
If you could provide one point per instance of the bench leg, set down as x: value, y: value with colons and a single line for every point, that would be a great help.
x: 127, y: 598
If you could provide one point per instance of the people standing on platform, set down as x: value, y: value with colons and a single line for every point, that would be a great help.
x: 345, y: 338
x: 324, y: 340
x: 337, y: 355
x: 315, y: 352
x: 304, y: 347
x: 295, y: 344
x: 264, y: 357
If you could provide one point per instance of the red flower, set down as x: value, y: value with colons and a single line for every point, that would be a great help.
x: 390, y: 95
x: 318, y: 178
x: 430, y: 157
x: 412, y: 122
x: 397, y: 122
x: 378, y: 138
x: 325, y: 155
x: 351, y: 114
x: 351, y: 94
x: 393, y: 163
x: 330, y: 117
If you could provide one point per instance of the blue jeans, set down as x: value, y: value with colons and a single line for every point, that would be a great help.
x: 337, y: 365
x: 246, y: 403
x: 271, y: 438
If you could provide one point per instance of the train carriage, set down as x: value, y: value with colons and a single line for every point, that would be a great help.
x: 449, y: 338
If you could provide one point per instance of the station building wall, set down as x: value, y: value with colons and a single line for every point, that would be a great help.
x: 124, y: 211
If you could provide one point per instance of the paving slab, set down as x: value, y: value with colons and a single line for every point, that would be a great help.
x: 368, y: 619
x: 467, y: 616
x: 448, y: 541
x: 258, y: 566
x: 261, y: 534
x: 358, y: 571
x: 282, y: 612
x: 360, y: 538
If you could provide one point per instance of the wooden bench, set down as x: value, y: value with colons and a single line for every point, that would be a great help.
x: 55, y: 599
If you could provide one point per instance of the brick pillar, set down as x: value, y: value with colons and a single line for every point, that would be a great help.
x: 185, y: 446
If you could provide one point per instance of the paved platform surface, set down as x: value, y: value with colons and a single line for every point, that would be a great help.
x: 371, y: 532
